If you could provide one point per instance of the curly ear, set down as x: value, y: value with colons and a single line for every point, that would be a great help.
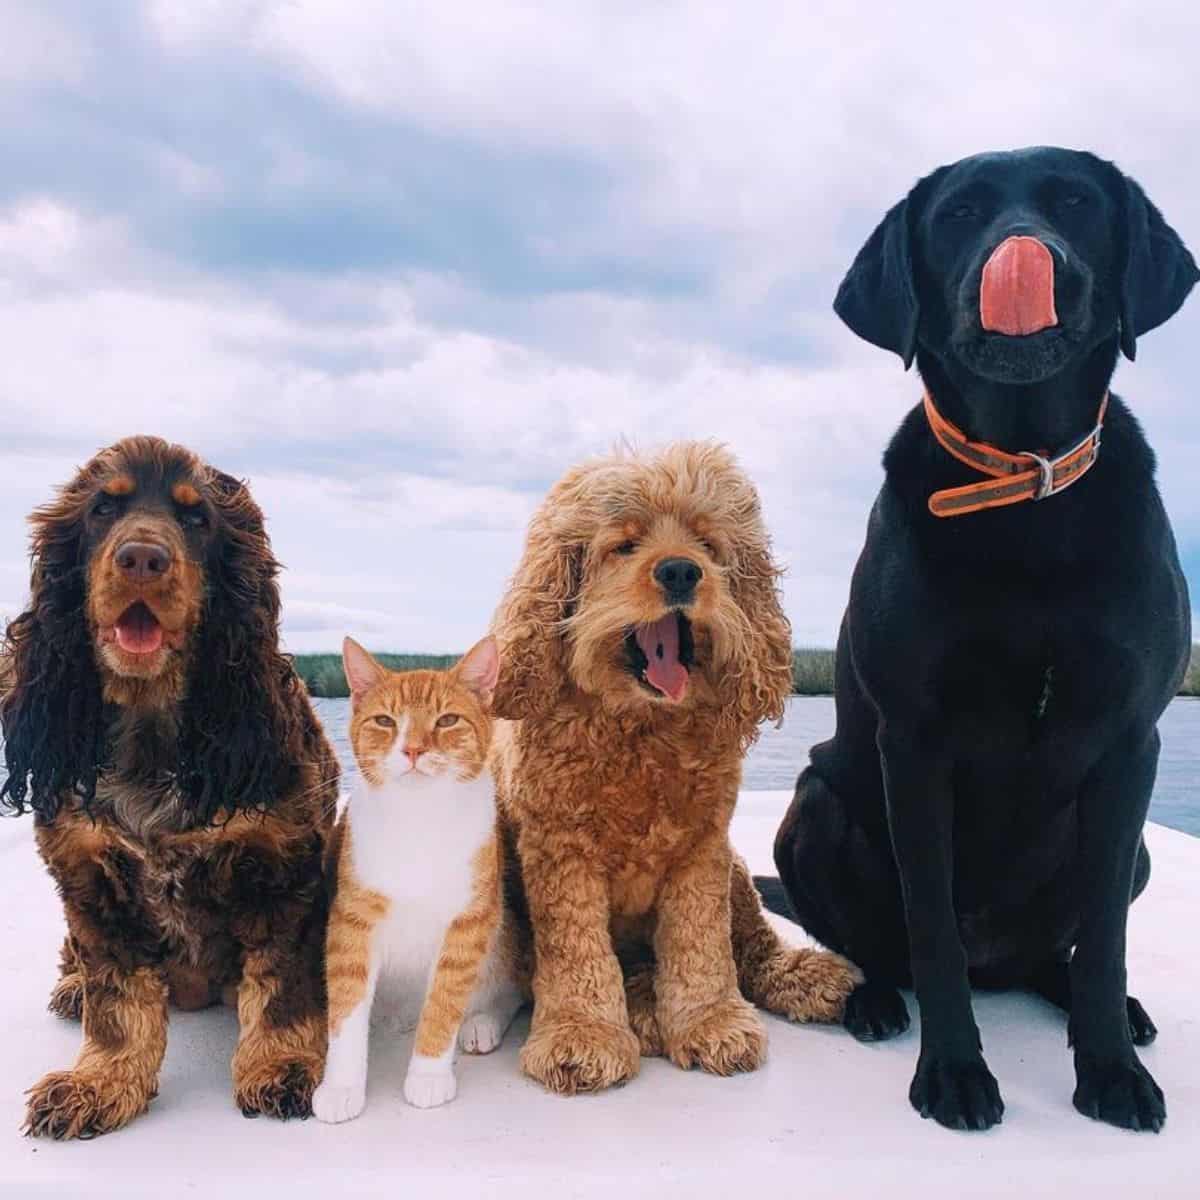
x: 760, y: 681
x: 529, y: 622
x: 243, y: 726
x: 1158, y: 271
x: 51, y: 708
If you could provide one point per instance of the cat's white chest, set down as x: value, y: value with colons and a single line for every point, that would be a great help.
x: 414, y: 841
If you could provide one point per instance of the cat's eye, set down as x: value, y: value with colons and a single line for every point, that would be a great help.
x: 625, y: 548
x: 446, y: 720
x: 384, y: 721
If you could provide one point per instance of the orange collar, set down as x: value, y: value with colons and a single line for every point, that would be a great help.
x: 1020, y: 476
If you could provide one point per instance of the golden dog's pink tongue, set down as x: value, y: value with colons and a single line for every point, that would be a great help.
x: 660, y: 644
x: 138, y: 630
x: 1016, y: 294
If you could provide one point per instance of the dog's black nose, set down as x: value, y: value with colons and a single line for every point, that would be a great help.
x: 678, y: 577
x: 143, y: 560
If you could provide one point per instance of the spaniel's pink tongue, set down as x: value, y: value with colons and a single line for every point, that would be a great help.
x: 138, y: 630
x: 1016, y: 294
x: 660, y: 645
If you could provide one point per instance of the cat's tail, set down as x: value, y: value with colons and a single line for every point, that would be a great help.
x: 801, y: 983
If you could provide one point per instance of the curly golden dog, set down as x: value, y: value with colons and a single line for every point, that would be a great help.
x: 182, y: 789
x: 643, y: 644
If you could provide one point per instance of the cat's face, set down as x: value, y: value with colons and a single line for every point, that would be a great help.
x: 409, y: 726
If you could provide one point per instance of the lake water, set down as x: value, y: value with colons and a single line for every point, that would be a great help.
x: 779, y: 754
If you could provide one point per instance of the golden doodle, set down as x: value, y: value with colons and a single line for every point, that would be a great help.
x: 642, y: 644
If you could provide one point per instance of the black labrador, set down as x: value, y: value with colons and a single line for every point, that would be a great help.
x: 977, y: 816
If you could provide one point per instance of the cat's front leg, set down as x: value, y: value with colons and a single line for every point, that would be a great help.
x: 351, y: 972
x: 502, y: 988
x: 342, y: 1094
x: 465, y: 947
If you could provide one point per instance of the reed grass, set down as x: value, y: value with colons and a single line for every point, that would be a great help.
x: 812, y: 671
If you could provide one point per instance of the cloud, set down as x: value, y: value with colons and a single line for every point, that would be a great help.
x: 401, y: 264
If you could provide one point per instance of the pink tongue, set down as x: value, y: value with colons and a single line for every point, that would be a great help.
x: 1016, y: 294
x: 660, y: 645
x: 138, y: 632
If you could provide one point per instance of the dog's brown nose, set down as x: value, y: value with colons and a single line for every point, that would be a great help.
x: 143, y: 561
x: 678, y: 577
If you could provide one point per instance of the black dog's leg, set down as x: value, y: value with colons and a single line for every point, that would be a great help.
x: 1111, y: 1083
x: 848, y: 898
x: 952, y: 1082
x: 1052, y: 981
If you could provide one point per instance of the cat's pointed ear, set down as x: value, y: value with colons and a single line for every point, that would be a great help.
x: 362, y: 671
x: 479, y: 668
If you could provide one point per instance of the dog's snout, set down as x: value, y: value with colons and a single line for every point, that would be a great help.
x: 143, y: 561
x: 678, y: 577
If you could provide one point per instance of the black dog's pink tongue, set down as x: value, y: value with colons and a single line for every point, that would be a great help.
x: 660, y: 644
x: 1016, y: 294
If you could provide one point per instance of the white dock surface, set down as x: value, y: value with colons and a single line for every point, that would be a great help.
x: 825, y: 1117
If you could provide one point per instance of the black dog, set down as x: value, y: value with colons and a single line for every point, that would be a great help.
x: 1002, y: 665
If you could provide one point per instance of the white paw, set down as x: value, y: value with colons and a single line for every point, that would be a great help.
x: 428, y: 1089
x: 333, y: 1104
x: 481, y: 1033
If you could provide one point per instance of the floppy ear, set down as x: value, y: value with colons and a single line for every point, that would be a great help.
x: 1158, y: 273
x: 761, y: 678
x: 878, y: 298
x: 479, y: 669
x: 51, y: 708
x: 528, y: 626
x: 245, y: 718
x: 362, y: 671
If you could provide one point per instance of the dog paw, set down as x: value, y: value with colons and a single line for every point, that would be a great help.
x: 333, y: 1104
x: 429, y: 1088
x: 1121, y: 1092
x: 79, y: 1104
x: 481, y: 1033
x: 728, y: 1038
x: 569, y: 1056
x: 956, y: 1094
x: 66, y: 1000
x: 806, y: 985
x: 875, y: 1012
x: 280, y: 1089
x: 1142, y: 1030
x: 643, y: 1015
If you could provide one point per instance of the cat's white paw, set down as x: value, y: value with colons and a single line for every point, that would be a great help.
x: 333, y: 1104
x: 481, y: 1033
x: 428, y: 1089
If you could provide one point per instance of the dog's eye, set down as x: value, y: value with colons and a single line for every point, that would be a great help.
x: 961, y: 212
x: 446, y: 720
x: 193, y: 518
x: 1072, y: 200
x: 104, y: 507
x: 625, y: 548
x: 384, y: 722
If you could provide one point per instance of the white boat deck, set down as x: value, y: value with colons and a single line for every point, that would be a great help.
x: 825, y: 1117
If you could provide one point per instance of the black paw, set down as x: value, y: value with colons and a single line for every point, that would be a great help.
x: 1123, y: 1093
x: 959, y: 1095
x: 1141, y: 1029
x: 875, y: 1012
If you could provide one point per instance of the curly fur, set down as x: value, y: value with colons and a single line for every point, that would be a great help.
x: 618, y: 799
x: 243, y: 721
x: 182, y: 796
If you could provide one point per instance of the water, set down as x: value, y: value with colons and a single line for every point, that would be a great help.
x: 779, y: 754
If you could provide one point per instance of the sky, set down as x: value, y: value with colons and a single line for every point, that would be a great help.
x: 401, y: 264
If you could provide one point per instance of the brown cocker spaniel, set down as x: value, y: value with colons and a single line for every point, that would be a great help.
x: 182, y: 789
x: 643, y: 644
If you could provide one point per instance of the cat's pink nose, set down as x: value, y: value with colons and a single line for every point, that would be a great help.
x: 413, y: 753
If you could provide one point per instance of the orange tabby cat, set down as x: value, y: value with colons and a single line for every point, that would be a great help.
x: 418, y: 886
